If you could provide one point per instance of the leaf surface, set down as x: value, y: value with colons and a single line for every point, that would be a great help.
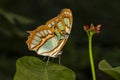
x: 107, y: 68
x: 32, y: 68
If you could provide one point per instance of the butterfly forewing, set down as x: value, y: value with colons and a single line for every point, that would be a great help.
x: 49, y: 39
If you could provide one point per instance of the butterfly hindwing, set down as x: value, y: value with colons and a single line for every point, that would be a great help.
x: 38, y: 37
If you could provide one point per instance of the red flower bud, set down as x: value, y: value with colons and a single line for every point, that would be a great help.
x: 93, y: 28
x: 86, y: 27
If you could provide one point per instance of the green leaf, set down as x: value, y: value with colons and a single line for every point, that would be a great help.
x: 21, y: 19
x: 107, y: 68
x: 32, y: 68
x: 11, y: 17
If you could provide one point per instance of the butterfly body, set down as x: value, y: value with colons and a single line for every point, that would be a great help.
x: 49, y: 39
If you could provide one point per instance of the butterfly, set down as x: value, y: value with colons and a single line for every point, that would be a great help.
x: 50, y: 38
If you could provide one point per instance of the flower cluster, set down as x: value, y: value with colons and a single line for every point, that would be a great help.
x: 92, y: 28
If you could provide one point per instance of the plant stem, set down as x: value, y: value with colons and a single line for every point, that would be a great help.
x: 91, y: 55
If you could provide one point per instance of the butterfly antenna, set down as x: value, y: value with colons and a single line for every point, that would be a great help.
x: 59, y: 55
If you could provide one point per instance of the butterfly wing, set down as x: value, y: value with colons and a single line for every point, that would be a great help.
x: 49, y: 39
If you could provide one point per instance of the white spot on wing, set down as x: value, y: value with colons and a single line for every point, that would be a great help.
x: 38, y: 34
x: 42, y: 33
x: 67, y: 13
x: 49, y: 25
x: 49, y: 31
x: 35, y: 42
x: 45, y: 32
x: 53, y: 23
x: 32, y: 45
x: 64, y: 12
x: 67, y: 30
x: 37, y: 38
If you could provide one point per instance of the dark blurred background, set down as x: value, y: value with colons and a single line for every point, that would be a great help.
x: 18, y: 16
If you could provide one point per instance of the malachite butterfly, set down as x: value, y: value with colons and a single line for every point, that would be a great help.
x: 49, y: 39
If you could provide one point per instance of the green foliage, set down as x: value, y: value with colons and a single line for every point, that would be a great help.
x: 7, y: 67
x: 107, y: 68
x: 32, y: 68
x: 8, y: 23
x: 11, y: 17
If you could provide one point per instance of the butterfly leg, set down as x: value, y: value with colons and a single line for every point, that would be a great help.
x: 47, y: 60
x: 59, y: 55
x: 44, y: 58
x: 59, y: 59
